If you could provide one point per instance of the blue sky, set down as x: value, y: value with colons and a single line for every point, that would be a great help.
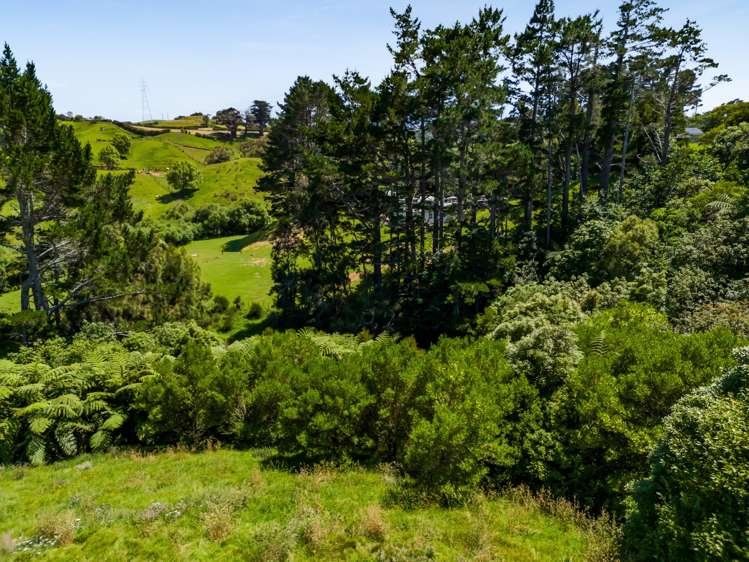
x: 201, y: 55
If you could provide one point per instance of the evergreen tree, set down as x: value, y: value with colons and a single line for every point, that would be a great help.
x: 45, y: 171
x: 261, y: 114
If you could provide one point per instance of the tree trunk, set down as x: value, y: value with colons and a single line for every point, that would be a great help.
x: 668, y: 120
x: 548, y: 192
x: 588, y: 139
x: 625, y: 140
x: 33, y: 281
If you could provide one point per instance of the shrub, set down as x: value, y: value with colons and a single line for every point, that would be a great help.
x: 255, y: 312
x: 695, y: 503
x: 109, y: 157
x: 183, y: 176
x: 607, y: 416
x: 243, y: 218
x: 253, y: 148
x: 218, y: 155
x: 467, y: 422
x: 121, y: 142
x: 631, y: 245
x: 192, y: 399
x: 178, y: 232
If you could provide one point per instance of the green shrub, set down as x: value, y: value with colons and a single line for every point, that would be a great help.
x: 608, y: 414
x: 122, y: 143
x: 218, y: 155
x: 193, y: 399
x: 183, y: 176
x: 695, y: 503
x: 467, y: 421
x: 244, y: 217
x: 109, y: 157
x: 255, y: 312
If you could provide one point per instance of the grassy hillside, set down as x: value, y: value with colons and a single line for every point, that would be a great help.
x: 226, y: 505
x: 151, y: 157
x: 236, y: 266
x: 231, y: 272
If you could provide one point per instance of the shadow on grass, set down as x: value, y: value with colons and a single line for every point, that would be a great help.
x: 255, y: 328
x: 240, y: 243
x: 176, y: 196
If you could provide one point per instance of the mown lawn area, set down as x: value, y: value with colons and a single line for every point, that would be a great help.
x: 235, y: 266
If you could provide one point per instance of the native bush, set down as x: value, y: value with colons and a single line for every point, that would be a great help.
x: 183, y: 176
x: 694, y: 505
x: 466, y: 421
x: 608, y: 414
x: 218, y: 155
x: 122, y: 143
x: 244, y: 217
x: 192, y: 399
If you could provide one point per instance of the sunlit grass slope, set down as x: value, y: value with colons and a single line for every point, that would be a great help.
x: 235, y: 266
x: 225, y: 505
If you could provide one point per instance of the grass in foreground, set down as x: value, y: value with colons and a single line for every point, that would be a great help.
x: 223, y: 505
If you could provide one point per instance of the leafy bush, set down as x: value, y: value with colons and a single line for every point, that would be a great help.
x: 218, y: 155
x: 122, y: 143
x: 109, y: 157
x: 243, y: 218
x: 607, y: 416
x: 255, y: 312
x: 183, y: 176
x: 695, y: 503
x: 253, y: 148
x: 194, y: 398
x: 467, y: 420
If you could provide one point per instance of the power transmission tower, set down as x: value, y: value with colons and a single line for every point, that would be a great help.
x: 144, y: 105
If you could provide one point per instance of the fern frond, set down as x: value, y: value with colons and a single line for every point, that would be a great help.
x: 66, y: 440
x: 100, y: 440
x: 31, y: 409
x: 113, y: 422
x: 598, y: 345
x: 39, y: 425
x: 36, y: 451
x: 30, y: 391
x: 6, y: 392
x: 93, y: 406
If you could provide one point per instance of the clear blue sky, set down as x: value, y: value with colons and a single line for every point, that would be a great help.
x: 200, y: 55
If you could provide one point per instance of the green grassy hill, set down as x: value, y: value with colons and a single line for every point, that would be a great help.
x: 226, y: 505
x: 238, y: 271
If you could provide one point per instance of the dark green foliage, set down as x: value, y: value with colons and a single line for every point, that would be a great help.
x: 230, y: 118
x: 109, y: 157
x: 244, y: 217
x: 695, y: 503
x: 255, y: 312
x: 122, y: 143
x: 468, y: 418
x: 260, y: 111
x: 193, y: 398
x: 607, y: 415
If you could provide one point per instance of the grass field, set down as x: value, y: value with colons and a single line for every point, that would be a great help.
x: 236, y: 266
x: 228, y: 505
